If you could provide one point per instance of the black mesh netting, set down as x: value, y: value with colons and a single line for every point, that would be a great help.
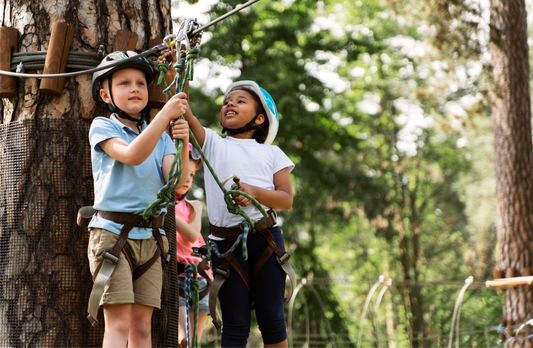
x: 45, y: 177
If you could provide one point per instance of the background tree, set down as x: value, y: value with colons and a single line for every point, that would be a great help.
x: 511, y: 111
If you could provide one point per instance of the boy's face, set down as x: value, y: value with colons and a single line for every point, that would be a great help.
x: 238, y: 109
x: 130, y: 92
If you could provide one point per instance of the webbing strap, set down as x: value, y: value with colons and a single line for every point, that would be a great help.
x: 106, y: 267
x: 220, y: 275
x: 98, y: 290
x: 213, y: 295
x: 222, y: 272
x: 283, y: 260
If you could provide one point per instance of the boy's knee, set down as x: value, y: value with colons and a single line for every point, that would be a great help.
x: 118, y: 327
x: 141, y: 326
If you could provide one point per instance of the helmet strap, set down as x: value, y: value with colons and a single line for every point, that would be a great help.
x: 179, y: 197
x: 248, y: 127
x: 121, y: 113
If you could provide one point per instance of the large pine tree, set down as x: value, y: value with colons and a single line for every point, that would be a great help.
x: 511, y: 112
x: 45, y: 172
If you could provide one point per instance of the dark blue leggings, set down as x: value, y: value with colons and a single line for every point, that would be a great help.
x: 268, y: 287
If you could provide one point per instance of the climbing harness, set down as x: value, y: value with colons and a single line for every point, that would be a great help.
x: 111, y: 258
x: 234, y: 235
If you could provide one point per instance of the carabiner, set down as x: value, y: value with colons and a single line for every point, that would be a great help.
x: 185, y: 34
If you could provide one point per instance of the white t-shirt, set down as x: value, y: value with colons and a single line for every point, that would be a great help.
x: 254, y: 163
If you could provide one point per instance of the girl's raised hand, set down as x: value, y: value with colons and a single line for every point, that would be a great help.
x: 168, y: 55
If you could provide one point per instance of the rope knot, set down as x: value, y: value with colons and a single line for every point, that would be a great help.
x: 163, y: 68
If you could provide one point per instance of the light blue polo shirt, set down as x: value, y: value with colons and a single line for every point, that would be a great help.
x: 119, y: 187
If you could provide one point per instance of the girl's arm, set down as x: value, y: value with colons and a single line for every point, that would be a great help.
x: 191, y: 230
x: 196, y: 127
x: 279, y: 198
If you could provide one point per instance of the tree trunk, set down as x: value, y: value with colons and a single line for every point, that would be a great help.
x: 45, y: 172
x: 513, y: 152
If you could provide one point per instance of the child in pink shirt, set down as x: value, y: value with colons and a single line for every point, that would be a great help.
x: 188, y: 225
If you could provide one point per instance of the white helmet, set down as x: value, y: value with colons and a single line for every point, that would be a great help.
x: 266, y: 101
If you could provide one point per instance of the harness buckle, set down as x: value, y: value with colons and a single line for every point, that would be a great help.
x: 222, y: 273
x: 112, y: 259
x: 200, y: 251
x: 284, y: 258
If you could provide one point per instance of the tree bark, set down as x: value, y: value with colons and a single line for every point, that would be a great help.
x: 45, y: 172
x: 511, y: 113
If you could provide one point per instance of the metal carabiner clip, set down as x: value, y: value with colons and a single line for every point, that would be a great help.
x: 185, y: 33
x: 169, y: 40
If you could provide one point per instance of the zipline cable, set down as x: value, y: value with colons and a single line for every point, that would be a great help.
x: 215, y: 21
x: 153, y: 50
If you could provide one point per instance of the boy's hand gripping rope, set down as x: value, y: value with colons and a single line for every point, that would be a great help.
x: 165, y: 193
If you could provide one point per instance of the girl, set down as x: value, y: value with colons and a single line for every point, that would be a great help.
x: 188, y: 226
x: 249, y: 117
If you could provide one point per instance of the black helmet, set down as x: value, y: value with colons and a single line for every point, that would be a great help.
x: 140, y: 63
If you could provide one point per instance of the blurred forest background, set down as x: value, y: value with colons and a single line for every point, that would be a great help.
x: 385, y: 111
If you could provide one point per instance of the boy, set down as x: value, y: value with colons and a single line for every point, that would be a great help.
x: 130, y: 161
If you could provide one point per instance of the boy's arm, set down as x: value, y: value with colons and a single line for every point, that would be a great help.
x: 191, y: 231
x: 197, y: 130
x: 140, y: 149
x: 180, y: 130
x: 279, y: 198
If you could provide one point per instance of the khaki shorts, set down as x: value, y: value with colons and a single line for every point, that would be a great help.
x: 120, y: 287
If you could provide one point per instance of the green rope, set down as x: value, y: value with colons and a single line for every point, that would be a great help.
x: 163, y: 68
x: 164, y: 195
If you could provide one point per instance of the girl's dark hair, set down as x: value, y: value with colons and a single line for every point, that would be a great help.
x: 261, y: 133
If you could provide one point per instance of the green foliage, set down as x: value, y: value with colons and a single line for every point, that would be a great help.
x: 382, y: 166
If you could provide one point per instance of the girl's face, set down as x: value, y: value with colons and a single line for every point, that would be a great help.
x: 190, y: 176
x: 130, y: 92
x: 239, y: 108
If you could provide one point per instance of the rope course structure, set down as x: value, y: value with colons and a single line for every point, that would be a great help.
x: 308, y: 338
